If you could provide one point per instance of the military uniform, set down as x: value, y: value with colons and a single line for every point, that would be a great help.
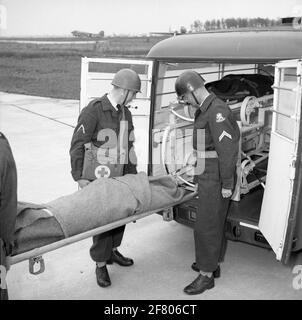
x: 221, y: 134
x: 8, y: 202
x: 100, y: 114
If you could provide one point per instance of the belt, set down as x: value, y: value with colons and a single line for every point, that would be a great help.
x: 206, y: 154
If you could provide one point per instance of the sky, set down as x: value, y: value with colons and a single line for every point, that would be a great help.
x: 60, y: 17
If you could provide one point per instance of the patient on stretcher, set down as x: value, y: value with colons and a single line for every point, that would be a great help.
x: 103, y: 201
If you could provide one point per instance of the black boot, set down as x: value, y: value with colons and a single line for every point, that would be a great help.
x: 200, y: 284
x: 118, y: 258
x: 102, y: 276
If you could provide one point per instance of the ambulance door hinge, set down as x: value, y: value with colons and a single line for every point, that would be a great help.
x: 279, y: 251
x: 292, y: 170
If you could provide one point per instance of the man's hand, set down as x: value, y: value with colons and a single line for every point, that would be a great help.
x: 83, y: 183
x: 226, y: 193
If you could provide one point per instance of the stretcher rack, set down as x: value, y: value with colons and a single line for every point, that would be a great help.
x: 252, y: 118
x: 35, y: 255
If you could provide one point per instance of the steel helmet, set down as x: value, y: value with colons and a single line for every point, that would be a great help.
x: 188, y: 81
x: 127, y: 79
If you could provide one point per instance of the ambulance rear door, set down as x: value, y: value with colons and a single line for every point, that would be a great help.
x: 279, y: 200
x: 96, y: 77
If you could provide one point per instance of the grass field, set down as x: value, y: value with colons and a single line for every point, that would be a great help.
x: 53, y: 70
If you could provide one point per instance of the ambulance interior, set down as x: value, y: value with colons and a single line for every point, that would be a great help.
x: 267, y: 109
x: 248, y: 90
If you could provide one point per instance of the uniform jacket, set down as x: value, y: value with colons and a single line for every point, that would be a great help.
x: 97, y: 115
x: 221, y: 133
x: 8, y: 192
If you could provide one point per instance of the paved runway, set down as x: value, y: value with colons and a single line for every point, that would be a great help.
x: 162, y: 251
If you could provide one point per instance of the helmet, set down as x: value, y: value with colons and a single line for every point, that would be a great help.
x: 127, y: 79
x: 188, y: 81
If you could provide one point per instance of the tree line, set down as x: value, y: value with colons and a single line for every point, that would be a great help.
x: 231, y: 23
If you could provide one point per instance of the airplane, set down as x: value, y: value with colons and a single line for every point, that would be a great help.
x: 83, y: 34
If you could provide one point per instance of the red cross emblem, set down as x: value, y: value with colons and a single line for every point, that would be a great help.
x: 102, y: 172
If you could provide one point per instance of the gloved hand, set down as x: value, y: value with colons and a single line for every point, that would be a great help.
x: 226, y: 193
x: 83, y: 183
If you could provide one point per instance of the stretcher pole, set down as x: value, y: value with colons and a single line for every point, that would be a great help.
x: 35, y: 255
x: 64, y: 242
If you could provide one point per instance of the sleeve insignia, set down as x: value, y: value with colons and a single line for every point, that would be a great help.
x: 224, y: 134
x: 81, y: 127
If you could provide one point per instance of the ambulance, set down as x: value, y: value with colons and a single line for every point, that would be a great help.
x: 258, y: 74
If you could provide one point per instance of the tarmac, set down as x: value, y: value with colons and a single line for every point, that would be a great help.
x: 39, y: 130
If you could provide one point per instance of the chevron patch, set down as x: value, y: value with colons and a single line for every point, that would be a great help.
x: 81, y: 127
x: 224, y: 134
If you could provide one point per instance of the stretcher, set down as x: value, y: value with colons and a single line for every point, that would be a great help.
x: 34, y: 255
x: 252, y: 114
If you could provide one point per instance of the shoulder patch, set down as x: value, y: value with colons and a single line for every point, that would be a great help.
x: 219, y: 117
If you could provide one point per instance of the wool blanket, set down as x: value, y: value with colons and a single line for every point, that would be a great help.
x: 101, y: 202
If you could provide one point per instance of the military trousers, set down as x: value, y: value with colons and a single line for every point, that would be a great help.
x: 103, y: 244
x: 209, y: 227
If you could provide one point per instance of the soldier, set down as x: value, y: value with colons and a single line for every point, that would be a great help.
x: 108, y: 112
x: 8, y: 209
x: 217, y: 182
